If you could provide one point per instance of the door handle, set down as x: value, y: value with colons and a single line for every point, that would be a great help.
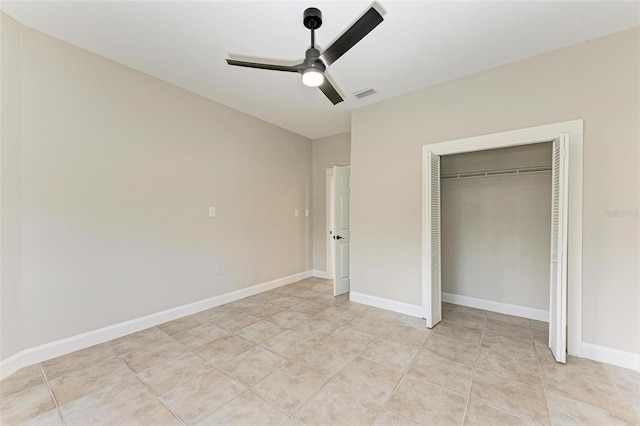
x: 338, y: 237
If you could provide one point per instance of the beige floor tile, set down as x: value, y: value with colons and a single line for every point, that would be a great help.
x: 292, y: 422
x: 347, y: 340
x: 21, y: 380
x: 164, y: 377
x: 80, y: 383
x: 18, y: 407
x: 181, y: 324
x: 289, y: 344
x: 260, y: 331
x: 338, y: 405
x: 519, y: 399
x: 288, y: 318
x: 479, y: 414
x: 370, y: 323
x: 390, y: 354
x: 309, y: 308
x: 510, y: 329
x: 253, y: 365
x: 628, y: 381
x: 198, y: 398
x: 139, y: 340
x: 265, y: 309
x: 523, y: 322
x: 425, y: 403
x: 456, y: 350
x: 326, y: 363
x: 199, y: 335
x: 568, y: 411
x: 315, y: 327
x: 458, y: 331
x: 414, y: 322
x: 290, y: 386
x: 389, y: 418
x: 246, y: 409
x: 500, y: 342
x: 403, y: 334
x: 287, y: 301
x: 126, y: 402
x: 337, y: 314
x: 379, y: 313
x: 50, y: 418
x: 464, y: 318
x: 76, y: 361
x: 153, y: 354
x: 539, y: 325
x: 224, y: 349
x: 583, y: 380
x: 508, y: 365
x: 235, y: 320
x: 443, y: 372
x: 369, y: 379
x: 463, y: 310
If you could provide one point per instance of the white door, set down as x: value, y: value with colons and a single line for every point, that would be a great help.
x: 559, y: 222
x: 432, y: 299
x: 341, y: 234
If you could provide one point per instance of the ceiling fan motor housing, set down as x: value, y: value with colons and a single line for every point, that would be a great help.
x: 312, y: 18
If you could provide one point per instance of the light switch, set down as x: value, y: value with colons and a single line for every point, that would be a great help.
x: 212, y: 212
x: 296, y: 213
x: 306, y: 212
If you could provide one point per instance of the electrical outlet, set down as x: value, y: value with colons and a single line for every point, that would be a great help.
x: 218, y: 268
x: 212, y: 212
x: 296, y: 213
x: 306, y: 212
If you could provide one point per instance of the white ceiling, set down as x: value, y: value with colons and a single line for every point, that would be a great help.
x: 419, y: 44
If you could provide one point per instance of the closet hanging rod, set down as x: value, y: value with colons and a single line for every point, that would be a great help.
x: 497, y: 172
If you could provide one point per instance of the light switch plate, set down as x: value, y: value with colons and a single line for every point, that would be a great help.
x: 296, y: 213
x: 212, y: 212
x: 306, y: 212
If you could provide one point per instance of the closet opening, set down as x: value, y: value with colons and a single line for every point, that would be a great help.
x: 496, y: 228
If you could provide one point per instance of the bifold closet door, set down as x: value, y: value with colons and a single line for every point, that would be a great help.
x: 432, y: 299
x: 559, y: 222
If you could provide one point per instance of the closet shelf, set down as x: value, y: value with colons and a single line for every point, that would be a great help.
x: 497, y: 172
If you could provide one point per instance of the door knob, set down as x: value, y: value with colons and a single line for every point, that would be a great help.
x: 338, y: 237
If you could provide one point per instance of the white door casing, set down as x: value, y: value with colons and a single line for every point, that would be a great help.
x: 559, y: 228
x: 432, y: 299
x: 341, y: 232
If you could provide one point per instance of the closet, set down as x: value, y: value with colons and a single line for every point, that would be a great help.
x: 495, y: 212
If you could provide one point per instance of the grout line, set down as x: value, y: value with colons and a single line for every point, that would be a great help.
x: 628, y: 404
x: 159, y: 400
x: 473, y: 370
x: 53, y: 397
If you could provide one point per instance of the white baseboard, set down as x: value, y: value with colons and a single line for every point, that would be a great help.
x: 611, y: 356
x: 320, y: 274
x: 499, y: 307
x: 61, y: 347
x: 388, y: 304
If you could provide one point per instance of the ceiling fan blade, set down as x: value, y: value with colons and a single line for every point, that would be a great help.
x: 263, y: 66
x: 330, y: 91
x: 353, y: 35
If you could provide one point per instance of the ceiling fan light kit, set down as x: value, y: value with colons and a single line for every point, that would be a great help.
x: 315, y: 63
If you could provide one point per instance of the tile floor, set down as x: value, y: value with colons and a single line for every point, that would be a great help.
x: 297, y: 355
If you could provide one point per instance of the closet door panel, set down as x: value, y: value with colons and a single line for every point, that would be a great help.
x: 432, y: 300
x: 559, y: 222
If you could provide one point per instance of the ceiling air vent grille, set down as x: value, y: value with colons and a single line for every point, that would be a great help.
x: 364, y: 93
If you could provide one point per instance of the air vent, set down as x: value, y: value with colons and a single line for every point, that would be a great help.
x: 364, y: 93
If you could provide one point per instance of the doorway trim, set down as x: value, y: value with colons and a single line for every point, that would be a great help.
x: 530, y: 135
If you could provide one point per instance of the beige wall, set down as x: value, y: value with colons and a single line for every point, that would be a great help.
x: 327, y: 152
x: 596, y: 81
x: 118, y: 170
x: 10, y: 231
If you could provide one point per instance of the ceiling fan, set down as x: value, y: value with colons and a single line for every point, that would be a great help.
x: 315, y: 63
